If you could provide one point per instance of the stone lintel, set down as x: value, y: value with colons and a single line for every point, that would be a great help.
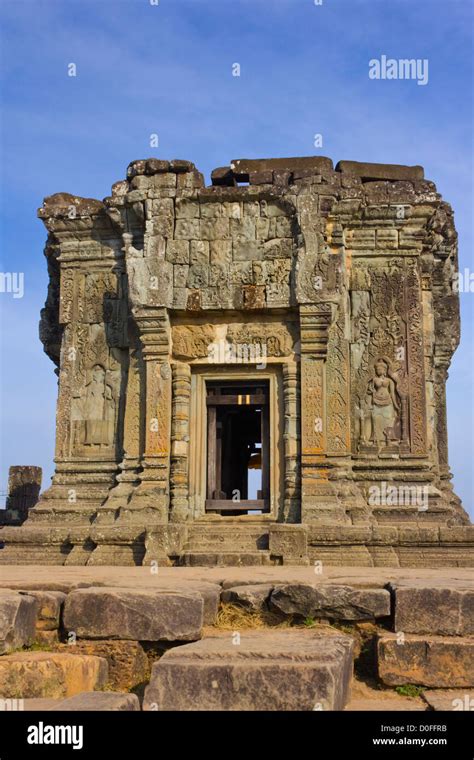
x: 243, y: 167
x: 369, y: 171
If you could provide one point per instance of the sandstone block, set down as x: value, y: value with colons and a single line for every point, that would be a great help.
x: 187, y: 209
x: 39, y: 703
x: 180, y: 166
x: 177, y: 251
x: 330, y: 601
x: 187, y: 229
x: 447, y: 611
x: 261, y: 178
x: 268, y: 670
x: 18, y: 614
x: 437, y: 661
x: 127, y: 661
x: 49, y: 606
x: 95, y: 701
x: 369, y: 171
x: 447, y: 700
x: 50, y: 674
x: 156, y: 166
x: 360, y: 238
x: 214, y: 229
x: 253, y: 597
x: 243, y: 167
x: 199, y: 252
x: 387, y: 238
x: 384, y: 705
x: 139, y: 615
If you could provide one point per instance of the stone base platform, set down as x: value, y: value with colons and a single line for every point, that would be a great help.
x: 237, y: 543
x: 237, y: 638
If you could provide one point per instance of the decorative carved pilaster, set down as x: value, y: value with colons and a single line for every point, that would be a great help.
x: 153, y: 491
x: 318, y: 500
x: 180, y: 442
x: 291, y: 436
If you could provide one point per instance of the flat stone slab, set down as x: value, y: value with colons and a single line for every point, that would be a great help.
x: 210, y: 593
x: 330, y: 601
x: 381, y: 705
x: 316, y: 164
x: 370, y: 171
x: 68, y: 578
x: 425, y: 608
x: 449, y: 700
x: 137, y: 615
x: 49, y: 608
x: 39, y: 704
x: 94, y: 701
x: 267, y: 670
x: 17, y: 620
x: 253, y: 597
x: 127, y: 660
x: 436, y: 661
x: 50, y: 674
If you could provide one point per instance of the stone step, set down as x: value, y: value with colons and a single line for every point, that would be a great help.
x: 264, y: 670
x: 18, y: 614
x: 236, y: 538
x: 31, y: 554
x: 426, y: 660
x: 140, y: 614
x: 50, y: 674
x: 94, y: 701
x: 385, y: 704
x: 223, y: 558
x: 447, y: 700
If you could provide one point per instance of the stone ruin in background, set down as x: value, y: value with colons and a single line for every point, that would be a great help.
x: 24, y: 486
x: 292, y: 323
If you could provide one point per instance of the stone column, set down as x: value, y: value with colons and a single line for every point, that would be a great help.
x: 153, y: 491
x: 292, y: 489
x: 180, y: 432
x: 440, y: 376
x: 318, y: 499
x: 128, y: 477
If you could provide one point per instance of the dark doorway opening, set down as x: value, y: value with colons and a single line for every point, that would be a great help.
x: 238, y: 447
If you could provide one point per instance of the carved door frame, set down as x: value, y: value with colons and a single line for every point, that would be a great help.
x: 198, y: 434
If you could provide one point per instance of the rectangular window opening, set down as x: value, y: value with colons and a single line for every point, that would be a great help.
x: 238, y: 447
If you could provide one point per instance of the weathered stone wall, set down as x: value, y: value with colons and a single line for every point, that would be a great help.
x: 340, y: 278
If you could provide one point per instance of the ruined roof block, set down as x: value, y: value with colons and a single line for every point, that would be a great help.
x: 150, y: 166
x: 368, y: 171
x: 243, y: 167
x: 61, y: 204
x: 223, y: 175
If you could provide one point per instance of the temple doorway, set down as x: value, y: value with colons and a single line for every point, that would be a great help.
x: 238, y: 447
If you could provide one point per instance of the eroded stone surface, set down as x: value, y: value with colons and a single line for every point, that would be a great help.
x: 127, y: 661
x: 384, y: 705
x: 330, y: 601
x: 39, y: 703
x: 252, y: 596
x: 18, y: 615
x: 139, y: 615
x: 99, y: 701
x: 50, y: 674
x: 446, y: 611
x: 447, y: 700
x: 437, y: 661
x: 268, y: 670
x: 49, y: 605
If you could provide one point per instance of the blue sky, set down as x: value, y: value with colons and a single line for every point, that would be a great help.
x: 167, y: 69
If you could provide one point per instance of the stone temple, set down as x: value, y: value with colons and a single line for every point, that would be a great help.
x: 252, y: 372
